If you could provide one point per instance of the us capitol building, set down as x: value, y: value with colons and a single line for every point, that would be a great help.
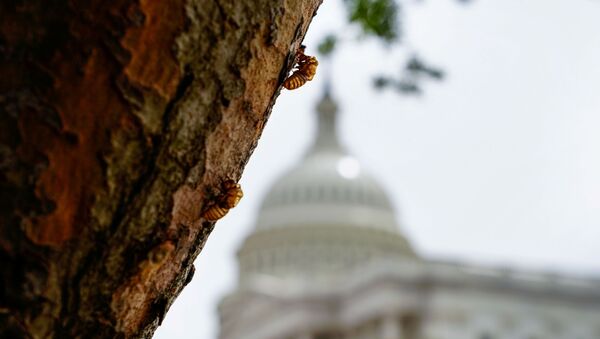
x: 328, y: 261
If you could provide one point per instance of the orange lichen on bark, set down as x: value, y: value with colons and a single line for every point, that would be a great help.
x: 153, y: 64
x: 88, y: 109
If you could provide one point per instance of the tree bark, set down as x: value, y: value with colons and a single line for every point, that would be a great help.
x: 119, y: 122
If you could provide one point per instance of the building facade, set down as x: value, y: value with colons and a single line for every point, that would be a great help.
x: 327, y: 260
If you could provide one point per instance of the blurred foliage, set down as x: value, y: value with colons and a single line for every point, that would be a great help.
x: 375, y: 17
x: 382, y: 20
x: 327, y: 46
x: 414, y: 73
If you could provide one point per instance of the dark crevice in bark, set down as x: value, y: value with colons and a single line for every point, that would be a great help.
x: 157, y: 142
x: 71, y: 289
x: 184, y: 84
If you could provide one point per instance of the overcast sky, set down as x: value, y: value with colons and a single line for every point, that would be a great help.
x: 497, y: 165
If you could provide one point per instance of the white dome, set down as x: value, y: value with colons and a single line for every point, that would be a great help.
x: 327, y: 187
x: 323, y: 217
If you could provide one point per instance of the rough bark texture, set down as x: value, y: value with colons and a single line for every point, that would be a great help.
x: 119, y: 121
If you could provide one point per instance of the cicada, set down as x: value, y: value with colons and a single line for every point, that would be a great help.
x: 305, y: 70
x: 226, y: 201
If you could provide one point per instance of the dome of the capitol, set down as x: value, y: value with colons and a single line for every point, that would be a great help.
x: 324, y: 216
x: 327, y: 187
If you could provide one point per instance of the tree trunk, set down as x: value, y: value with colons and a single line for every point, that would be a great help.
x: 120, y: 120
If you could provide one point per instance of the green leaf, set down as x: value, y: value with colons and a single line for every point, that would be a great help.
x: 375, y: 17
x: 327, y: 46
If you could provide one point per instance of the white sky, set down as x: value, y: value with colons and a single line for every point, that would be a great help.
x: 498, y: 164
